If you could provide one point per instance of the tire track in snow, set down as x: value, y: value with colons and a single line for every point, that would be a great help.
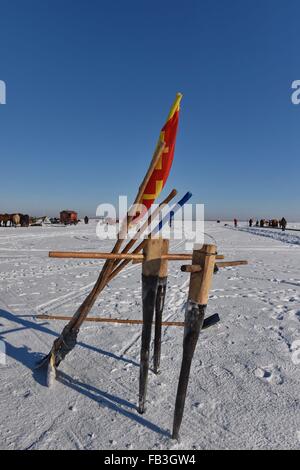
x: 269, y: 233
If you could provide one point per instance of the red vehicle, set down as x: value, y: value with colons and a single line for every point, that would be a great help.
x: 68, y: 217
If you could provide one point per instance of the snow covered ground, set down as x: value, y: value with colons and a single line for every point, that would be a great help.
x: 245, y: 380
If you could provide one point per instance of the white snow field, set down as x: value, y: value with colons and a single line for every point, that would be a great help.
x: 245, y: 379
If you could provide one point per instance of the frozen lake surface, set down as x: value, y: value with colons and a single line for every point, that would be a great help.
x: 245, y: 380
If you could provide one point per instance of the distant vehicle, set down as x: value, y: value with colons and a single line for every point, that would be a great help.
x: 69, y: 217
x: 40, y: 221
x: 24, y: 220
x: 54, y: 220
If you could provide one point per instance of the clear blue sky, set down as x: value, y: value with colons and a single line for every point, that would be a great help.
x: 89, y: 85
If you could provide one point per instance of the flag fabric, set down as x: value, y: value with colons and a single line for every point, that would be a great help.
x: 162, y: 169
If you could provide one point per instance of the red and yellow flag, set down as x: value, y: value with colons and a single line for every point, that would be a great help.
x: 162, y: 169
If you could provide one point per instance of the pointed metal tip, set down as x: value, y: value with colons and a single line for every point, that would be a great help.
x: 141, y: 410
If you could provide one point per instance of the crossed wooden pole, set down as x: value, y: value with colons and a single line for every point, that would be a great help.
x: 68, y: 337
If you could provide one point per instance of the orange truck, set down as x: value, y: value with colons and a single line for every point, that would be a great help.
x: 68, y: 217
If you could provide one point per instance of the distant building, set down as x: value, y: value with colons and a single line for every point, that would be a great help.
x: 68, y: 217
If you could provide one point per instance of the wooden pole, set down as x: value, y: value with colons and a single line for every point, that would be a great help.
x: 108, y: 266
x: 95, y: 255
x: 159, y: 306
x: 148, y: 222
x: 177, y: 257
x: 194, y: 268
x: 152, y: 267
x: 67, y: 340
x: 114, y: 256
x: 190, y: 268
x: 209, y: 321
x: 200, y: 283
x: 118, y: 267
x: 225, y: 264
x: 130, y: 256
x: 122, y: 321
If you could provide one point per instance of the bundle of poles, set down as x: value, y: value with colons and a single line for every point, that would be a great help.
x: 155, y: 258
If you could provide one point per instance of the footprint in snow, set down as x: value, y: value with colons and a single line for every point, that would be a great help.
x: 72, y: 408
x: 262, y: 373
x: 294, y: 314
x: 269, y: 374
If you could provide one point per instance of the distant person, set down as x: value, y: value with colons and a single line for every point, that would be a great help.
x: 250, y: 222
x: 257, y: 224
x: 261, y: 223
x: 86, y: 220
x: 235, y: 222
x: 283, y: 223
x: 171, y: 219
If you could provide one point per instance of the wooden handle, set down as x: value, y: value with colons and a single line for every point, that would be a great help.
x: 200, y: 282
x: 177, y: 257
x: 136, y: 258
x: 155, y: 262
x: 225, y: 264
x: 94, y: 255
x: 194, y: 268
x: 190, y: 268
x: 107, y: 320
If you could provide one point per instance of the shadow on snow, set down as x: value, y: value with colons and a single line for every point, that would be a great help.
x: 29, y: 359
